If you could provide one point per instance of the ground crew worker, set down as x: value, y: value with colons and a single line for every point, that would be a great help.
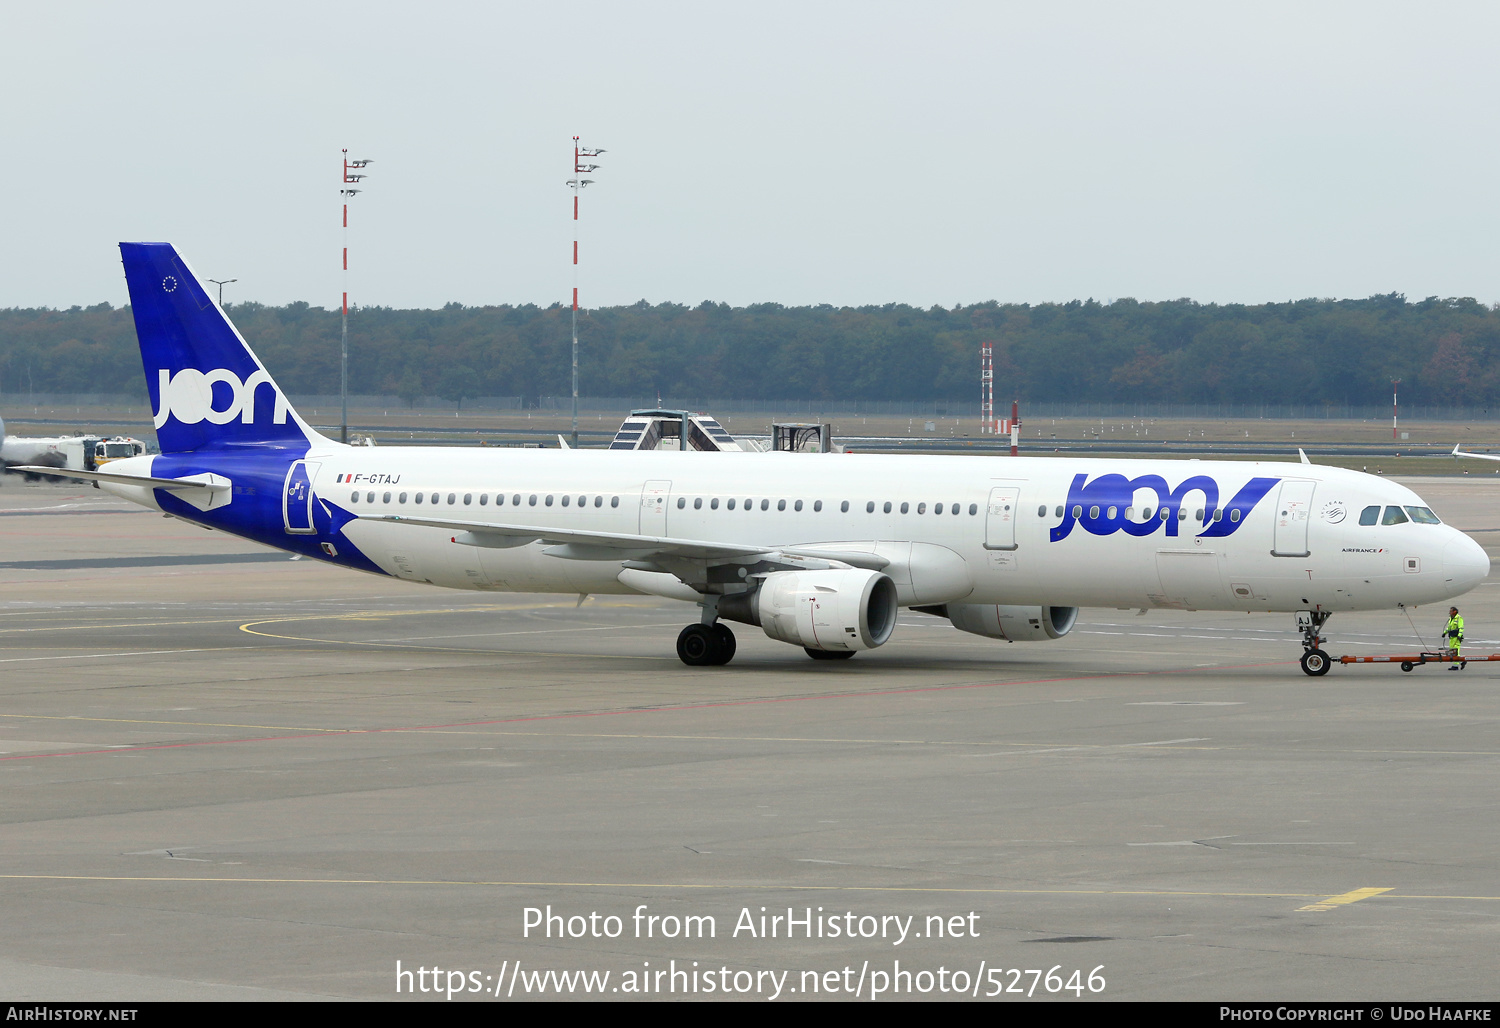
x: 1454, y: 633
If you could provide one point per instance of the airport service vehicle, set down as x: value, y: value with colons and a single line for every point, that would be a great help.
x: 116, y: 448
x: 70, y: 453
x: 818, y: 550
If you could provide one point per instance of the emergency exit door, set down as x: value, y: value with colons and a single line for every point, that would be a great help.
x: 1000, y: 518
x: 654, y: 496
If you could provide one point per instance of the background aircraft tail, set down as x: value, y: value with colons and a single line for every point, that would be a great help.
x: 207, y: 387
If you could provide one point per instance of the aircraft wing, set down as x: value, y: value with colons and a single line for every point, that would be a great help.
x: 1482, y: 456
x: 502, y: 535
x: 577, y: 544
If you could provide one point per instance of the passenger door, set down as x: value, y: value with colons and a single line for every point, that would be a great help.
x: 297, y: 499
x: 1293, y: 513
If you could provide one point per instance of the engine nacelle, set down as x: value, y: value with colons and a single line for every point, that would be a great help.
x: 1013, y: 624
x: 837, y: 610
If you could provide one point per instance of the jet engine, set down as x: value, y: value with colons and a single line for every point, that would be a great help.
x: 838, y: 611
x: 1013, y: 624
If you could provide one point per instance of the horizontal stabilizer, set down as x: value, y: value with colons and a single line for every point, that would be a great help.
x: 105, y: 476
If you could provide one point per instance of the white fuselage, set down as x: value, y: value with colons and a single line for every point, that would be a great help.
x: 1301, y: 545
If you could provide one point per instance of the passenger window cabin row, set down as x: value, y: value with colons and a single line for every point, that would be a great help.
x: 516, y: 499
x: 1147, y: 513
x: 730, y: 503
x: 1371, y: 515
x: 887, y: 507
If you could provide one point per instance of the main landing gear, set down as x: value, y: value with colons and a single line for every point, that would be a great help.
x: 1315, y: 661
x: 706, y: 645
x: 713, y: 645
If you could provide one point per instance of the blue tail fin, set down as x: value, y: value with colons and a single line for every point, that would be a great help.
x: 207, y: 388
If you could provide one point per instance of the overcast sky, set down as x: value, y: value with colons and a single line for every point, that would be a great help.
x: 844, y: 153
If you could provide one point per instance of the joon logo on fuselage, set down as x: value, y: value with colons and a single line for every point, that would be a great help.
x: 1100, y: 506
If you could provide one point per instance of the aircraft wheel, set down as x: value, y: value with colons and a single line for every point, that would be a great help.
x: 1315, y: 662
x: 828, y: 654
x: 1406, y: 665
x: 697, y: 646
x: 724, y: 643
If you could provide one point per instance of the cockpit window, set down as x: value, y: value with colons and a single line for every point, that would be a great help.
x: 1370, y: 515
x: 1393, y: 516
x: 1423, y: 516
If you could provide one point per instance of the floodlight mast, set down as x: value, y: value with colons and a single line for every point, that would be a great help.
x: 221, y: 283
x: 352, y: 177
x: 986, y: 388
x: 576, y: 184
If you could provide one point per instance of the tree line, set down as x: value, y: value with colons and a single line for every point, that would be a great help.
x: 1178, y: 351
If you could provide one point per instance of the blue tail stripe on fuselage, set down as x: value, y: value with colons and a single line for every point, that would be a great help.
x: 255, y: 507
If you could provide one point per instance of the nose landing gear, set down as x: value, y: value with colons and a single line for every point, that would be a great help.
x: 1315, y: 661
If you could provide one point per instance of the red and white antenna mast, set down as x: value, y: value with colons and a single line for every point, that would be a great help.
x: 576, y: 183
x: 1015, y: 428
x: 353, y: 173
x: 1394, y: 409
x: 986, y: 388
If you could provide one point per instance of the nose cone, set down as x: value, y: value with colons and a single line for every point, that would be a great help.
x: 1465, y: 564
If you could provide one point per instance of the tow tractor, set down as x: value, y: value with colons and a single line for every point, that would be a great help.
x: 1316, y: 661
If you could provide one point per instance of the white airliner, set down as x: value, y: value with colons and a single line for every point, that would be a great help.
x: 817, y: 550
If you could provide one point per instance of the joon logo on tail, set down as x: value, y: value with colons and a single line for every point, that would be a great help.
x: 1101, y: 506
x: 190, y: 397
